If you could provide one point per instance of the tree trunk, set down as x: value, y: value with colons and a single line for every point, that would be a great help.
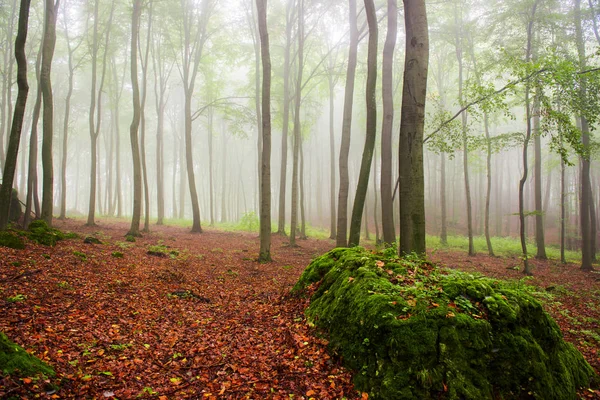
x: 387, y: 206
x: 135, y: 122
x: 7, y: 83
x: 342, y: 217
x: 32, y: 179
x: 286, y: 117
x: 91, y: 121
x: 585, y: 210
x: 539, y: 216
x: 144, y: 61
x: 48, y: 107
x: 332, y: 186
x: 371, y: 130
x: 444, y: 228
x: 8, y: 172
x: 297, y: 128
x: 412, y: 191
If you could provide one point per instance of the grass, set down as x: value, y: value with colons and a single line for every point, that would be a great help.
x: 502, y: 246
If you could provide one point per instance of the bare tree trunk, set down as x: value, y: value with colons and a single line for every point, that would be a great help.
x: 48, y: 107
x: 444, y: 228
x: 286, y: 116
x: 527, y: 268
x: 8, y: 172
x: 586, y: 207
x: 135, y: 122
x: 91, y: 121
x: 371, y: 130
x: 332, y: 186
x: 144, y: 61
x: 302, y: 193
x: 539, y: 216
x: 7, y: 83
x: 412, y: 196
x: 342, y: 218
x: 387, y: 206
x: 32, y: 180
x: 297, y: 128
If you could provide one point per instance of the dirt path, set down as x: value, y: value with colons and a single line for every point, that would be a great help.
x: 205, y: 320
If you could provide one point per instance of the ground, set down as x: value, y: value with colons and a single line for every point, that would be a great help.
x: 200, y: 318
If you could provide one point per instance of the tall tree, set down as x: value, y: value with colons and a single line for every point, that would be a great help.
x: 144, y: 58
x: 289, y: 18
x: 134, y: 229
x: 412, y: 120
x: 297, y: 126
x: 48, y: 119
x: 371, y: 131
x: 585, y: 213
x: 342, y: 217
x: 32, y: 199
x: 265, y: 204
x: 7, y: 82
x: 387, y: 205
x: 8, y: 173
x: 193, y: 46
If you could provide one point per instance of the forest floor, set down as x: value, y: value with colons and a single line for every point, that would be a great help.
x: 200, y: 318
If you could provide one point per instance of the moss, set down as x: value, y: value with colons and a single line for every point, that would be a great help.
x: 11, y: 240
x: 15, y: 360
x: 412, y: 331
x: 41, y: 233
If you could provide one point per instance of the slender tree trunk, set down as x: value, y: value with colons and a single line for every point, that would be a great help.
x: 91, y: 120
x: 444, y: 229
x: 48, y: 107
x: 7, y: 84
x: 586, y: 187
x: 371, y: 130
x: 563, y: 195
x: 211, y: 186
x: 8, y: 172
x: 286, y: 117
x: 265, y: 204
x: 459, y: 57
x: 412, y: 191
x: 387, y: 206
x: 135, y: 123
x: 144, y: 62
x: 527, y: 268
x: 297, y: 128
x: 32, y: 180
x: 342, y: 218
x: 302, y: 193
x: 539, y: 216
x: 332, y: 185
x: 489, y: 185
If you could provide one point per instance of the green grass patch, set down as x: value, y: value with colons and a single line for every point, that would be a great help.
x: 502, y: 246
x: 412, y: 331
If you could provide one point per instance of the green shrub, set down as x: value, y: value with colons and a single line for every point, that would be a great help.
x: 412, y: 331
x: 15, y: 360
x: 249, y: 222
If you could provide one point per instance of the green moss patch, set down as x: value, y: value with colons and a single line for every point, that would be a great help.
x: 15, y: 360
x: 11, y: 240
x: 41, y: 233
x: 412, y: 331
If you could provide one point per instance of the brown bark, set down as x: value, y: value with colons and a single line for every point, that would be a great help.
x: 387, y: 206
x: 412, y: 197
x: 8, y: 172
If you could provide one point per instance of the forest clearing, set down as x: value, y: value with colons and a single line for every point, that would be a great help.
x: 182, y: 315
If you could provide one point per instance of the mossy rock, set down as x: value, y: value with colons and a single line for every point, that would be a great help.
x: 11, y: 240
x: 41, y: 233
x: 15, y: 360
x: 412, y: 331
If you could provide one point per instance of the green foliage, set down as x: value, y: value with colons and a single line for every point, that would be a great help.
x: 130, y: 238
x: 11, y: 240
x: 16, y: 298
x: 249, y: 222
x: 160, y: 250
x: 82, y: 256
x: 15, y: 360
x: 412, y: 331
x: 117, y: 254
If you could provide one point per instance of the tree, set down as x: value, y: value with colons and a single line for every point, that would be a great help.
x: 134, y: 229
x: 387, y: 205
x: 48, y: 119
x: 8, y: 173
x: 265, y: 204
x: 411, y: 186
x: 371, y: 131
x: 342, y: 217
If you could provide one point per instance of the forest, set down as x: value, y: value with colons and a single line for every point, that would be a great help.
x: 299, y: 199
